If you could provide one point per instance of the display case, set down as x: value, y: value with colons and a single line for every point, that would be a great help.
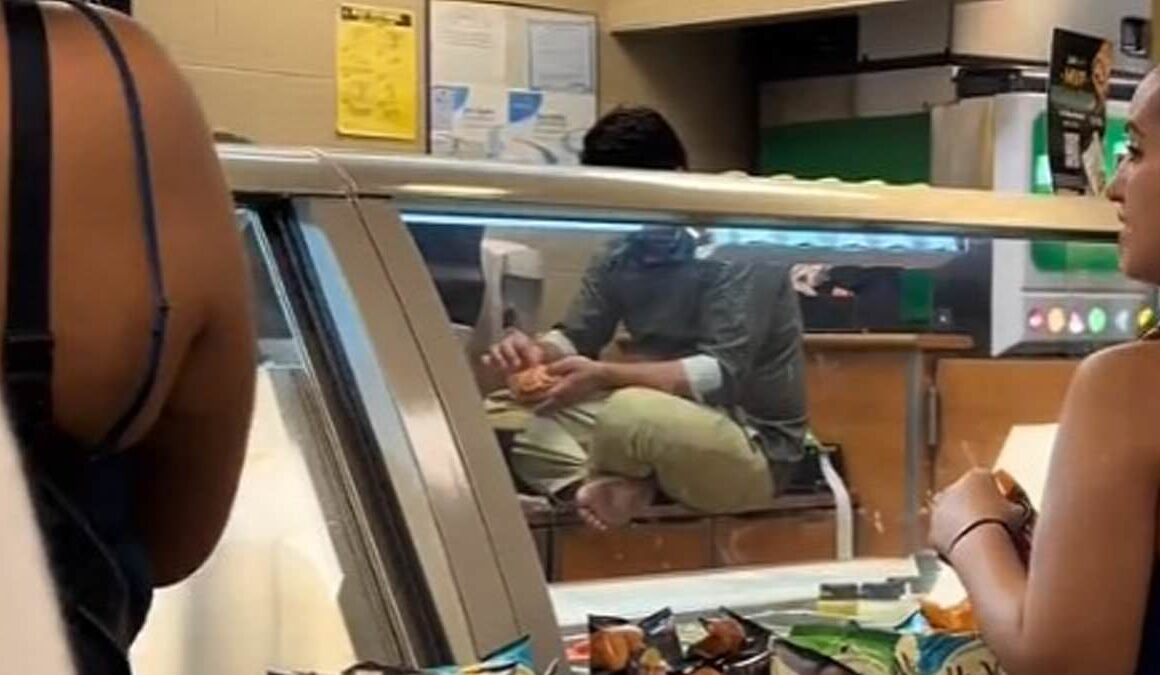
x: 378, y: 517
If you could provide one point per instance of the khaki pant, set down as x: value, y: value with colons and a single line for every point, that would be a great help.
x: 698, y: 456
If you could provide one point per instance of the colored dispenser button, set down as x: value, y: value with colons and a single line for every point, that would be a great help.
x: 1036, y: 320
x: 1056, y: 320
x: 1145, y: 317
x: 1124, y: 321
x: 1097, y: 320
x: 1075, y: 324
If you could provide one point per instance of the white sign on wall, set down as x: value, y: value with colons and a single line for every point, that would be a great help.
x: 511, y: 84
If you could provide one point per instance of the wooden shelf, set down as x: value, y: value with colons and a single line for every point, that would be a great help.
x: 628, y: 16
x: 889, y: 341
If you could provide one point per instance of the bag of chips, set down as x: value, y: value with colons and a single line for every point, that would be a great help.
x: 912, y: 649
x: 864, y: 651
x: 650, y: 646
x: 789, y: 659
x: 729, y: 636
x: 512, y: 659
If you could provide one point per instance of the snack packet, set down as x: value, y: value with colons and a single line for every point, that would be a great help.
x: 757, y: 663
x: 954, y: 614
x: 728, y: 636
x: 511, y: 659
x: 864, y: 651
x: 939, y: 653
x: 647, y: 647
x: 789, y: 659
x: 956, y: 619
x: 1018, y: 496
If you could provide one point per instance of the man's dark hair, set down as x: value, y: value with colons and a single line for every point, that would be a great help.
x: 634, y: 138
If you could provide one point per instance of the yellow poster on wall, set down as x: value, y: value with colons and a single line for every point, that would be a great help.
x: 377, y: 73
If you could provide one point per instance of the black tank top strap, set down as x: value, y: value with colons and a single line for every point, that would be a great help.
x: 83, y: 494
x: 28, y: 332
x: 144, y: 177
x: 28, y: 342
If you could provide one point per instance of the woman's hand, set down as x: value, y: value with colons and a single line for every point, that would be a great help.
x: 974, y: 497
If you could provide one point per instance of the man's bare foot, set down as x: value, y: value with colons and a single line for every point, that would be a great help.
x: 610, y: 502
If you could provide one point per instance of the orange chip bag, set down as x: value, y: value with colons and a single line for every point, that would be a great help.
x: 959, y: 618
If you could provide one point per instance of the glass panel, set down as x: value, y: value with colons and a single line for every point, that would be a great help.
x: 277, y: 592
x: 902, y: 359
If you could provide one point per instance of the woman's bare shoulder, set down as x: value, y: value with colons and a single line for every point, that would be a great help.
x: 1120, y: 387
x: 1132, y: 360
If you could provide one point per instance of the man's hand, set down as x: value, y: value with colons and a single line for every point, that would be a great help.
x: 516, y: 352
x: 580, y: 377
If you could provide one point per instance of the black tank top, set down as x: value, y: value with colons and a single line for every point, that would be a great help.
x: 82, y: 493
x: 1149, y: 659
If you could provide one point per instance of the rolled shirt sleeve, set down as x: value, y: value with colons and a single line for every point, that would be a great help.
x: 703, y: 373
x: 560, y: 342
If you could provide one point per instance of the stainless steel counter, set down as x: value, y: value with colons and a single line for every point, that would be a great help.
x: 742, y: 590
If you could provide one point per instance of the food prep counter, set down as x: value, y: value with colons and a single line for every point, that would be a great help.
x: 377, y: 518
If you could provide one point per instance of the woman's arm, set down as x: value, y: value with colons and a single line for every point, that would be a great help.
x: 1080, y: 607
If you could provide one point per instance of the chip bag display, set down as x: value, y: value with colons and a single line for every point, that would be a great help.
x: 947, y: 608
x: 729, y: 639
x: 647, y: 647
x: 757, y: 663
x: 789, y: 659
x: 940, y: 653
x: 864, y: 651
x: 512, y: 659
x: 958, y: 618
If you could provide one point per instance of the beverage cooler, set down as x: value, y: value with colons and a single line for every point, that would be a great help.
x: 376, y: 518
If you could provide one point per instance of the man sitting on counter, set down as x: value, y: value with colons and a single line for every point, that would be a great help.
x: 708, y: 409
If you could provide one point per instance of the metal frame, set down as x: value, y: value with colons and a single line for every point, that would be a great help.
x: 717, y: 200
x: 476, y: 557
x: 916, y: 445
x: 373, y: 618
x: 471, y: 488
x: 387, y: 369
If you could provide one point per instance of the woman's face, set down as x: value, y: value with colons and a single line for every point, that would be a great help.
x: 1136, y: 187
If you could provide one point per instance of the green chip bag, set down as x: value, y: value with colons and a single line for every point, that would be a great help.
x: 864, y: 651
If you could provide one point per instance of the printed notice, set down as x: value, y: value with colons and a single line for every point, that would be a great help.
x: 467, y: 122
x: 468, y: 43
x: 561, y: 55
x: 545, y: 127
x: 377, y: 73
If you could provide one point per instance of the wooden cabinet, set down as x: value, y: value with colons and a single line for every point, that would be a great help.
x: 647, y: 548
x: 774, y: 539
x: 910, y: 418
x: 980, y: 399
x: 871, y: 394
x: 798, y: 529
